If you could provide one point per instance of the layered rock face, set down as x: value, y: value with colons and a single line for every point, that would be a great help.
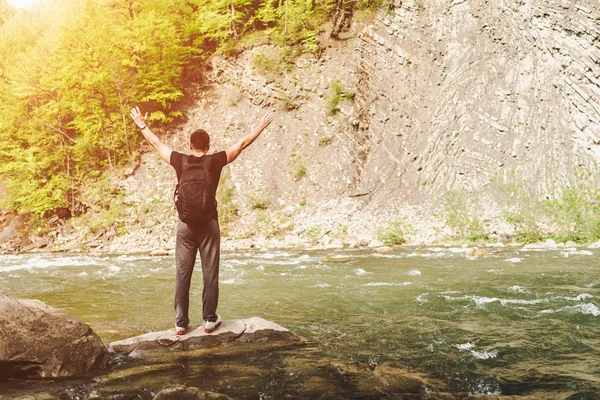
x: 39, y: 341
x: 465, y: 91
x: 454, y: 95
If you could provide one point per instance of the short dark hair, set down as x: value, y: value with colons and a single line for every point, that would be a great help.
x: 200, y: 140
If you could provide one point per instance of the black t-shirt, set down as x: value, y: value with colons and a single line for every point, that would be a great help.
x: 219, y: 160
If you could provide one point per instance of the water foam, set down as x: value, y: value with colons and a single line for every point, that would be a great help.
x: 465, y: 346
x: 448, y: 249
x: 387, y: 284
x: 514, y: 260
x: 517, y: 289
x: 413, y: 272
x: 480, y: 301
x: 580, y: 297
x: 421, y: 298
x: 37, y: 262
x: 231, y: 281
x: 423, y: 255
x: 484, y: 355
x: 109, y: 272
x: 587, y: 308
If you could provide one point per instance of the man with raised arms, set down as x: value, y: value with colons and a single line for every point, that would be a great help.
x: 198, y: 228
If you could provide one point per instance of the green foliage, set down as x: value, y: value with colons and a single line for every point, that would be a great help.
x: 233, y: 95
x: 269, y: 62
x: 114, y: 217
x: 419, y: 7
x: 337, y: 93
x: 325, y: 140
x: 300, y: 171
x: 287, y: 103
x: 228, y: 212
x: 394, y: 233
x: 258, y: 202
x: 101, y: 196
x: 67, y: 88
x: 463, y: 216
x: 310, y: 41
x: 71, y: 70
x: 565, y: 213
x: 520, y: 208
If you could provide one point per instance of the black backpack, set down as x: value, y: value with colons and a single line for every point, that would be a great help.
x: 195, y: 193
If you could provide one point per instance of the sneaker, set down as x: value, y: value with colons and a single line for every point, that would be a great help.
x: 179, y: 330
x: 210, y: 326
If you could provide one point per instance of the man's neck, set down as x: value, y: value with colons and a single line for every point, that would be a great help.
x: 198, y: 153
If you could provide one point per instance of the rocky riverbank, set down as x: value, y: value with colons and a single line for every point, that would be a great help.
x: 159, y: 239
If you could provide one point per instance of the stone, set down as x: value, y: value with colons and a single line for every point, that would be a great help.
x: 253, y: 329
x: 375, y: 243
x: 550, y: 244
x: 384, y: 250
x: 570, y: 243
x: 595, y: 245
x: 180, y: 392
x: 45, y: 343
x: 37, y: 396
x: 534, y: 246
x: 476, y: 252
x: 159, y: 253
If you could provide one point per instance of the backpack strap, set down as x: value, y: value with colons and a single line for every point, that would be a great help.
x: 207, y: 162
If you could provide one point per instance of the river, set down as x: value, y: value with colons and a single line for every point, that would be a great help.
x: 517, y: 322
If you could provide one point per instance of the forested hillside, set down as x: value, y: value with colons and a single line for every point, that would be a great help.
x: 70, y: 71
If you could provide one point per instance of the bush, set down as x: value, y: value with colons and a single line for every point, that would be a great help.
x: 227, y: 209
x: 463, y: 217
x: 257, y: 202
x: 337, y: 93
x: 393, y: 234
x: 300, y: 171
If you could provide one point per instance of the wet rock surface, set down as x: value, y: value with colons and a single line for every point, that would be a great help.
x: 242, y: 330
x: 253, y: 370
x: 188, y: 393
x: 39, y: 341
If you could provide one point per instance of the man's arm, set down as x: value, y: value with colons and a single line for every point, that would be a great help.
x: 140, y: 120
x: 234, y: 151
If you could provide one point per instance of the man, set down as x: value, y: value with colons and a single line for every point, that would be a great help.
x: 204, y: 235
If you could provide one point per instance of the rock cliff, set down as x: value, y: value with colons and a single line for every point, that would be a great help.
x: 447, y: 96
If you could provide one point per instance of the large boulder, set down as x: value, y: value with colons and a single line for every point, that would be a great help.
x: 242, y: 330
x: 40, y: 341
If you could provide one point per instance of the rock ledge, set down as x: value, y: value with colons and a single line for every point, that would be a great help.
x: 253, y: 329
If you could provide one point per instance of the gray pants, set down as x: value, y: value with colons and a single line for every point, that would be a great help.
x: 190, y: 239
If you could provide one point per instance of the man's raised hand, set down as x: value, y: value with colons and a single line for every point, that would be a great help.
x: 138, y: 118
x: 267, y: 119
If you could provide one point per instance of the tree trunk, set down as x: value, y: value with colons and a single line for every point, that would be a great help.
x: 235, y: 35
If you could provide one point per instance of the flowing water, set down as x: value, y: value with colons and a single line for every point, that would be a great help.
x: 514, y: 323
